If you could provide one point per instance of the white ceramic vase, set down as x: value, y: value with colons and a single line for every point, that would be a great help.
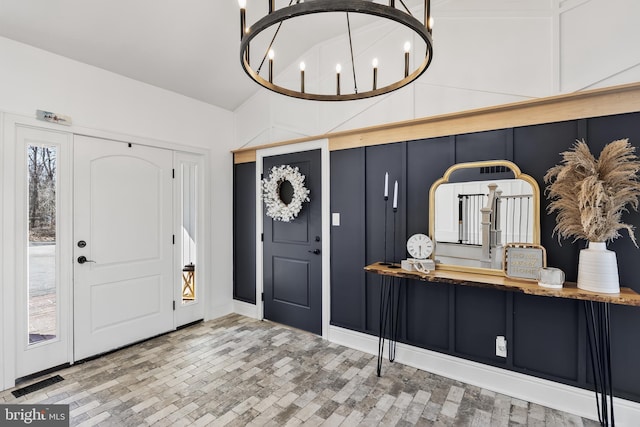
x: 598, y: 269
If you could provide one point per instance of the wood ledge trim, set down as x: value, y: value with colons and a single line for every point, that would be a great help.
x: 579, y: 105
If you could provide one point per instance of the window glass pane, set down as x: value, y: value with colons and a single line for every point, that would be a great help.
x: 41, y: 220
x: 188, y: 192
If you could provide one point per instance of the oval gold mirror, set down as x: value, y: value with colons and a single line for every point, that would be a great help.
x: 476, y: 209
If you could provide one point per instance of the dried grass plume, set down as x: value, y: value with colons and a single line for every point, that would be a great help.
x: 590, y: 195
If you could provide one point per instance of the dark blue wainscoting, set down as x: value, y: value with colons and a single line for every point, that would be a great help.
x: 244, y: 232
x: 546, y: 336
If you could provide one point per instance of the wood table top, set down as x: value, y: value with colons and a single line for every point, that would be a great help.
x: 627, y: 296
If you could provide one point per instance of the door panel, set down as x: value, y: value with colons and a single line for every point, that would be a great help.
x: 142, y: 299
x: 123, y: 213
x: 292, y: 232
x: 125, y: 224
x: 293, y: 281
x: 292, y: 257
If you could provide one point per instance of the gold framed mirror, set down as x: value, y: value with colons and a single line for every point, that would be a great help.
x: 476, y: 209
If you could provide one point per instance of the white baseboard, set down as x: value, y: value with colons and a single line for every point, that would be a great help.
x: 559, y: 396
x: 245, y: 309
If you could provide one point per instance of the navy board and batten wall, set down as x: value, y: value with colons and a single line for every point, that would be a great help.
x: 546, y: 336
x: 244, y: 232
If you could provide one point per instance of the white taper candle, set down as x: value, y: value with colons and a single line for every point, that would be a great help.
x: 395, y: 196
x: 386, y: 185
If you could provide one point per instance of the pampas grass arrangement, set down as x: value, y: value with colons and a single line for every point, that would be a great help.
x: 590, y: 195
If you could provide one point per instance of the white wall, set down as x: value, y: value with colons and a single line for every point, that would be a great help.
x: 486, y: 53
x: 98, y: 100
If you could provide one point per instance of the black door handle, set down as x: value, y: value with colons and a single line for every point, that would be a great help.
x: 82, y: 259
x: 315, y: 251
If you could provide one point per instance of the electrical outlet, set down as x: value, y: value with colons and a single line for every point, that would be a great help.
x: 501, y: 346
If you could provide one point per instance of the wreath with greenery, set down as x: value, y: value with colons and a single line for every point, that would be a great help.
x: 271, y: 193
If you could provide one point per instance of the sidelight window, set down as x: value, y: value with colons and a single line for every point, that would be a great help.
x: 43, y: 289
x: 189, y: 207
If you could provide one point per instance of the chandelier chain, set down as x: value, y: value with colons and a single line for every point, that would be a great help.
x: 273, y: 39
x: 407, y: 9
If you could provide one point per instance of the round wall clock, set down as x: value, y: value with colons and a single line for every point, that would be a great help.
x: 419, y: 246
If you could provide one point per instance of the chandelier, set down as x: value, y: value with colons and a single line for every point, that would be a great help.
x: 269, y: 26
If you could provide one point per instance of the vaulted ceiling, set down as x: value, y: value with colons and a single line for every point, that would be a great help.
x: 189, y: 47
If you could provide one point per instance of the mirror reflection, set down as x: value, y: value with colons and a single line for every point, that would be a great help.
x: 476, y: 209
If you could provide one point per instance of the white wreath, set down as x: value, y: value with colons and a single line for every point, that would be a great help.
x: 276, y: 208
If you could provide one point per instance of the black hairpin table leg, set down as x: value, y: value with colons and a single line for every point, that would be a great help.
x: 393, y: 317
x: 388, y: 327
x: 385, y: 285
x: 598, y: 316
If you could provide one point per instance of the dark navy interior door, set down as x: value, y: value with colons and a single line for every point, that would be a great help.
x: 292, y: 252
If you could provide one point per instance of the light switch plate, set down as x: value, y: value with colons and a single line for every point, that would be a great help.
x: 335, y: 219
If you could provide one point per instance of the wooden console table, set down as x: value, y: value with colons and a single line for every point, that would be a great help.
x: 596, y: 305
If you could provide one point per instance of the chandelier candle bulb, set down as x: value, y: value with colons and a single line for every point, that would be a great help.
x: 338, y: 69
x: 407, y: 48
x: 374, y: 63
x: 271, y: 56
x: 302, y: 67
x: 395, y: 195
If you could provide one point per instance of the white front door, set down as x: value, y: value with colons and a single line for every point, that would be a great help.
x: 123, y: 244
x: 42, y: 251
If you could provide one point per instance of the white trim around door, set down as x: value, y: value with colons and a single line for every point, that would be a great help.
x: 323, y: 146
x: 8, y: 188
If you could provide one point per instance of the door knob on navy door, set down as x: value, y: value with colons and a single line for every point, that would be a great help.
x: 82, y: 259
x: 315, y: 251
